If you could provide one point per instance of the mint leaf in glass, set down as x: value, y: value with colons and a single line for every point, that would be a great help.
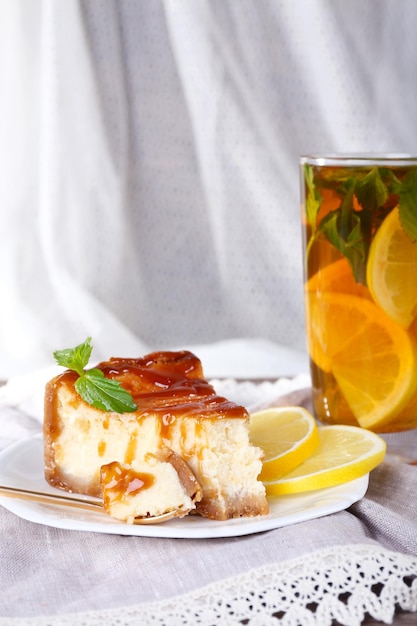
x: 371, y: 190
x: 312, y: 204
x: 408, y: 204
x: 313, y: 197
x: 351, y: 245
x: 100, y: 392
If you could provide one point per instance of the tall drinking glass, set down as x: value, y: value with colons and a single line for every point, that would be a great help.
x: 359, y: 216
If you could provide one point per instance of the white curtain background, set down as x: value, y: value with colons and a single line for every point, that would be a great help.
x: 149, y: 191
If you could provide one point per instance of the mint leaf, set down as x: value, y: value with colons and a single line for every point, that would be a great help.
x: 313, y: 197
x: 351, y: 244
x: 344, y: 229
x: 408, y: 204
x: 75, y: 358
x: 313, y: 201
x: 371, y: 191
x: 104, y: 393
x: 94, y: 388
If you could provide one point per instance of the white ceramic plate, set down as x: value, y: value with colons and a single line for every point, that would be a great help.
x: 21, y: 466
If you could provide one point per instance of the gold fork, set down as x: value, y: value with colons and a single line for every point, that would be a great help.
x: 75, y: 502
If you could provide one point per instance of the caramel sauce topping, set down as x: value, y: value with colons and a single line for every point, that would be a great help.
x: 169, y: 384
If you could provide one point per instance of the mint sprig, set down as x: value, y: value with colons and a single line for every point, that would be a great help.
x: 94, y: 388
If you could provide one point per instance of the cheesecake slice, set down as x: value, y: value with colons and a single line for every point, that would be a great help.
x: 179, y: 422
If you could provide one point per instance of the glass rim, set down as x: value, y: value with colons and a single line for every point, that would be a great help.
x: 358, y: 158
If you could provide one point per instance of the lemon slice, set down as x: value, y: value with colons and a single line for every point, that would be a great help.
x: 344, y: 454
x: 392, y: 269
x: 287, y: 435
x: 373, y: 359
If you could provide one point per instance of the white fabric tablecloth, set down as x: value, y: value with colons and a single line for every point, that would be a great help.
x: 341, y: 566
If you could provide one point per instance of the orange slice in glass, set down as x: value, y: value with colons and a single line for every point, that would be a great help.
x: 373, y: 359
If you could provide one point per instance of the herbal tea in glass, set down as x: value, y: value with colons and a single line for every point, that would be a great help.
x: 360, y: 267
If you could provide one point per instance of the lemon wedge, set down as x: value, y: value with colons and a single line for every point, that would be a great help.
x: 287, y: 435
x: 372, y: 358
x: 391, y: 270
x: 344, y: 454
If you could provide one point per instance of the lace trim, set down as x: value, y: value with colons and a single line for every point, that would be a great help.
x: 341, y: 583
